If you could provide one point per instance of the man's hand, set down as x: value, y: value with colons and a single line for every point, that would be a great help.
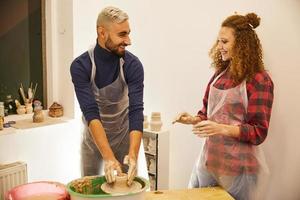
x: 132, y: 171
x: 110, y: 166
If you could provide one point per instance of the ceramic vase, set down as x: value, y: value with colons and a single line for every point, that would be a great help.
x: 155, y: 123
x: 29, y: 108
x: 21, y: 110
x: 38, y: 116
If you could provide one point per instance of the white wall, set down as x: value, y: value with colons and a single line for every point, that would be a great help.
x: 59, y: 54
x: 50, y: 152
x: 172, y: 39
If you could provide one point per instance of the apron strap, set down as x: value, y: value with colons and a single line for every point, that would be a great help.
x: 91, y: 54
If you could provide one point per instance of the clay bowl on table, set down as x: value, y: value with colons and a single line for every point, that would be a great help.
x: 90, y: 187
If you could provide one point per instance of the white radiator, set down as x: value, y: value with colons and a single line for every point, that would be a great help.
x: 12, y: 175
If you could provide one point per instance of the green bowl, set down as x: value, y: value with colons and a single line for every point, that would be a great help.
x: 95, y: 190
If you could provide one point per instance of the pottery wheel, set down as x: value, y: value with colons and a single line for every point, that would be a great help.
x: 114, y: 189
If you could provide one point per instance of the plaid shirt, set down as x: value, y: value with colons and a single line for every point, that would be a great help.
x: 253, y: 130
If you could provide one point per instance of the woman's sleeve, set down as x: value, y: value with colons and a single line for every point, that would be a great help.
x: 260, y: 100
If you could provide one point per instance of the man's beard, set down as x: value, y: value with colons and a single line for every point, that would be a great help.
x: 114, y: 48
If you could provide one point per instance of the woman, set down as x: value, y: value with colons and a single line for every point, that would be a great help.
x: 236, y: 111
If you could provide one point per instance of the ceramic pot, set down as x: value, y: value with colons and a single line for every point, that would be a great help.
x: 29, y: 108
x: 56, y: 110
x: 21, y: 110
x: 155, y: 123
x: 38, y: 116
x: 10, y: 105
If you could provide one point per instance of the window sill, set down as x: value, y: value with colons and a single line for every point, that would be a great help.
x: 28, y: 117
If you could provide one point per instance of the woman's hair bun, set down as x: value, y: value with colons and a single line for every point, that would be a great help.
x: 253, y: 19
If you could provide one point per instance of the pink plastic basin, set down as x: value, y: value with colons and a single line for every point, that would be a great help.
x: 38, y: 191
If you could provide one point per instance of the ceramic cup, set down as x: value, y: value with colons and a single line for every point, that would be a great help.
x: 21, y: 110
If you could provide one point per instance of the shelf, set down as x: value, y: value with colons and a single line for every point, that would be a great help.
x: 147, y: 131
x: 158, y: 143
x: 151, y: 174
x: 149, y: 153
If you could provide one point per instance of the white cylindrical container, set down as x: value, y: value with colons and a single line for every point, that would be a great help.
x: 155, y: 123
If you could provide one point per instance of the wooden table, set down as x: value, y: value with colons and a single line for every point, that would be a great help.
x: 211, y: 193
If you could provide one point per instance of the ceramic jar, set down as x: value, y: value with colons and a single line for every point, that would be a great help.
x: 155, y: 122
x: 10, y: 105
x: 56, y: 110
x: 38, y: 115
x: 21, y: 110
x: 29, y: 108
x: 37, y: 104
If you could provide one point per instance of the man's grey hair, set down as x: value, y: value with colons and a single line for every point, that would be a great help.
x: 111, y: 15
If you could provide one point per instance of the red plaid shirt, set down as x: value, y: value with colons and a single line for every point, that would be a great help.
x: 255, y: 127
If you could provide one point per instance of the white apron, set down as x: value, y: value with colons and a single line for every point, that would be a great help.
x: 113, y: 105
x: 236, y: 166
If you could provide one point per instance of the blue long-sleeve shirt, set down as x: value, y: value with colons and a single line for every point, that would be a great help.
x: 107, y: 70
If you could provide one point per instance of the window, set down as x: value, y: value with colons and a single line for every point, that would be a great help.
x: 22, y: 51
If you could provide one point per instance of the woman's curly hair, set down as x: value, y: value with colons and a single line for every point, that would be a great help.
x: 247, y: 50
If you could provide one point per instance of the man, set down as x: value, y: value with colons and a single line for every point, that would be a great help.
x: 108, y: 82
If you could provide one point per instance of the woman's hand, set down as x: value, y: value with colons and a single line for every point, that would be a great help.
x: 208, y: 128
x: 186, y: 118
